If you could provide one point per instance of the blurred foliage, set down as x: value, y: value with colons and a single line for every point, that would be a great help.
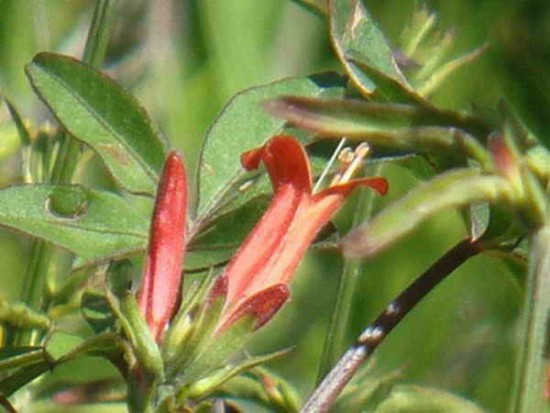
x: 185, y: 59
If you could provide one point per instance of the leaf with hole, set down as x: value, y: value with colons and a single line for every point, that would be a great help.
x: 95, y: 225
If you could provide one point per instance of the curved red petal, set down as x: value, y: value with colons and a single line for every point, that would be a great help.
x: 285, y: 160
x: 262, y: 244
x: 262, y: 306
x: 377, y: 183
x: 159, y: 293
x: 219, y: 289
x: 288, y: 167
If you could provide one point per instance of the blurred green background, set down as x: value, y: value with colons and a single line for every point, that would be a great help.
x: 185, y: 59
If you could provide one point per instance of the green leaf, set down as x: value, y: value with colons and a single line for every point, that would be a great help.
x: 18, y: 366
x: 194, y: 322
x: 205, y: 386
x: 456, y: 188
x: 13, y: 381
x: 93, y: 224
x: 97, y: 111
x: 395, y: 125
x: 264, y: 388
x: 94, y: 304
x: 21, y: 128
x: 17, y: 357
x: 419, y: 166
x: 229, y: 230
x: 439, y: 75
x: 243, y: 125
x: 60, y: 343
x: 415, y: 399
x: 106, y: 345
x: 367, y: 390
x: 355, y: 35
x: 143, y: 344
x: 217, y: 353
x: 387, y: 88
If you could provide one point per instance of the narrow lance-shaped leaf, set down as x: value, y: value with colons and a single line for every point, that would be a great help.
x: 93, y: 224
x: 20, y: 366
x: 96, y: 110
x: 397, y: 126
x: 17, y: 357
x: 454, y: 189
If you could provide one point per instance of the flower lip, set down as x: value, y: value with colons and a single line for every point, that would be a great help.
x: 285, y: 160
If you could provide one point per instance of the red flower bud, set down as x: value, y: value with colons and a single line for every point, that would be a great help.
x: 159, y: 293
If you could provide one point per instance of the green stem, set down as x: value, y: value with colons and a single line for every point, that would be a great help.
x: 63, y: 170
x: 98, y: 35
x: 530, y: 373
x: 36, y: 272
x: 338, y: 327
x: 94, y: 54
x: 335, y: 342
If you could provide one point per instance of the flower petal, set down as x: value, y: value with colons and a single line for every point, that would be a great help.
x: 285, y: 161
x: 312, y: 215
x: 377, y: 183
x: 262, y: 306
x: 288, y: 168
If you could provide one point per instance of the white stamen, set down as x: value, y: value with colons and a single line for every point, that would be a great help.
x: 329, y: 164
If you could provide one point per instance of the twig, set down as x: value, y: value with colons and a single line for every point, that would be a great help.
x: 329, y: 389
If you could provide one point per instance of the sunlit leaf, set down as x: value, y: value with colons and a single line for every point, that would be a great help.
x: 95, y: 110
x: 93, y: 224
x: 397, y: 126
x: 60, y: 343
x: 355, y: 35
x: 242, y: 125
x: 219, y: 240
x: 456, y: 188
x: 207, y: 385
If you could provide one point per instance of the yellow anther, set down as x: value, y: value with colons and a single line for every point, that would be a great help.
x: 353, y: 163
x: 345, y: 157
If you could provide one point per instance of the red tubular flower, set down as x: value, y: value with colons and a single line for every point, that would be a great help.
x: 159, y: 292
x: 259, y: 274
